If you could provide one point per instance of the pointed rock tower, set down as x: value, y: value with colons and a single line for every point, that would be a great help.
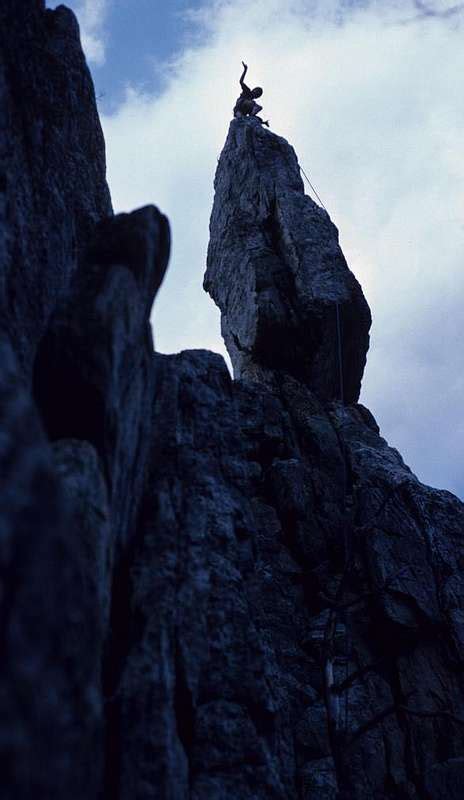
x: 276, y: 270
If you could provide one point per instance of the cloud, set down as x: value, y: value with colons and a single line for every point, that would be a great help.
x: 369, y: 95
x: 92, y: 15
x: 437, y: 8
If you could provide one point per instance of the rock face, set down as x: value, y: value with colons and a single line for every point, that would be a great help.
x: 276, y: 270
x: 76, y: 388
x: 52, y: 164
x: 209, y: 589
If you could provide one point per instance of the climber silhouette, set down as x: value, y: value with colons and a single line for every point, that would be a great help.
x: 245, y: 105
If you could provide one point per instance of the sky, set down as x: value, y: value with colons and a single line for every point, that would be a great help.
x: 370, y: 95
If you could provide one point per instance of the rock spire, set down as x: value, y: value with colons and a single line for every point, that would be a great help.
x: 276, y: 270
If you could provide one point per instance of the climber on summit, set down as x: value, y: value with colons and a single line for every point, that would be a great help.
x: 245, y: 105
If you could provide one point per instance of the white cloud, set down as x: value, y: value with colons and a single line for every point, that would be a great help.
x: 374, y: 111
x: 92, y: 16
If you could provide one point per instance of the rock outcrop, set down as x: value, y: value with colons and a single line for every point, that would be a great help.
x: 52, y: 165
x: 76, y: 388
x: 209, y: 589
x: 276, y: 270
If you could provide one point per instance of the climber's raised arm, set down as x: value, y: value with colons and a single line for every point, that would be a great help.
x: 245, y: 88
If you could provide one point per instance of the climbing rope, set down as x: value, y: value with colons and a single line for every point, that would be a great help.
x: 312, y: 187
x: 336, y: 726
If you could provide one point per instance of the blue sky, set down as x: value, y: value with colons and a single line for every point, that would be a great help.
x: 139, y: 38
x: 370, y: 95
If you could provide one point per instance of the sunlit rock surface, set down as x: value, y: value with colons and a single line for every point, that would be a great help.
x: 276, y: 270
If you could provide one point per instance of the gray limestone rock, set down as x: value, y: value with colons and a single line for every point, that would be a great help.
x: 276, y: 270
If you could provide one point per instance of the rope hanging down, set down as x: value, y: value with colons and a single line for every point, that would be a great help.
x: 337, y: 728
x: 312, y: 187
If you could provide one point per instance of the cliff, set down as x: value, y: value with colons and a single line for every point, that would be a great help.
x: 210, y: 588
x: 276, y: 271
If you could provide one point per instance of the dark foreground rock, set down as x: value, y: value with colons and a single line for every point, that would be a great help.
x: 52, y: 164
x: 209, y: 589
x: 76, y: 388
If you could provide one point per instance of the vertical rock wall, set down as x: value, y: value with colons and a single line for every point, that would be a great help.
x: 52, y: 165
x: 76, y: 386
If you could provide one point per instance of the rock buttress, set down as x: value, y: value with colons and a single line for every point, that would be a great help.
x: 76, y: 387
x: 276, y: 270
x: 298, y: 598
x: 52, y: 165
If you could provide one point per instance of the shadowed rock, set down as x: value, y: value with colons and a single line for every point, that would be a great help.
x: 76, y: 383
x: 260, y: 503
x: 93, y: 373
x: 55, y: 558
x: 276, y: 270
x: 52, y: 165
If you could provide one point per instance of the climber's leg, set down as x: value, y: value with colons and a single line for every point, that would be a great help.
x: 255, y: 110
